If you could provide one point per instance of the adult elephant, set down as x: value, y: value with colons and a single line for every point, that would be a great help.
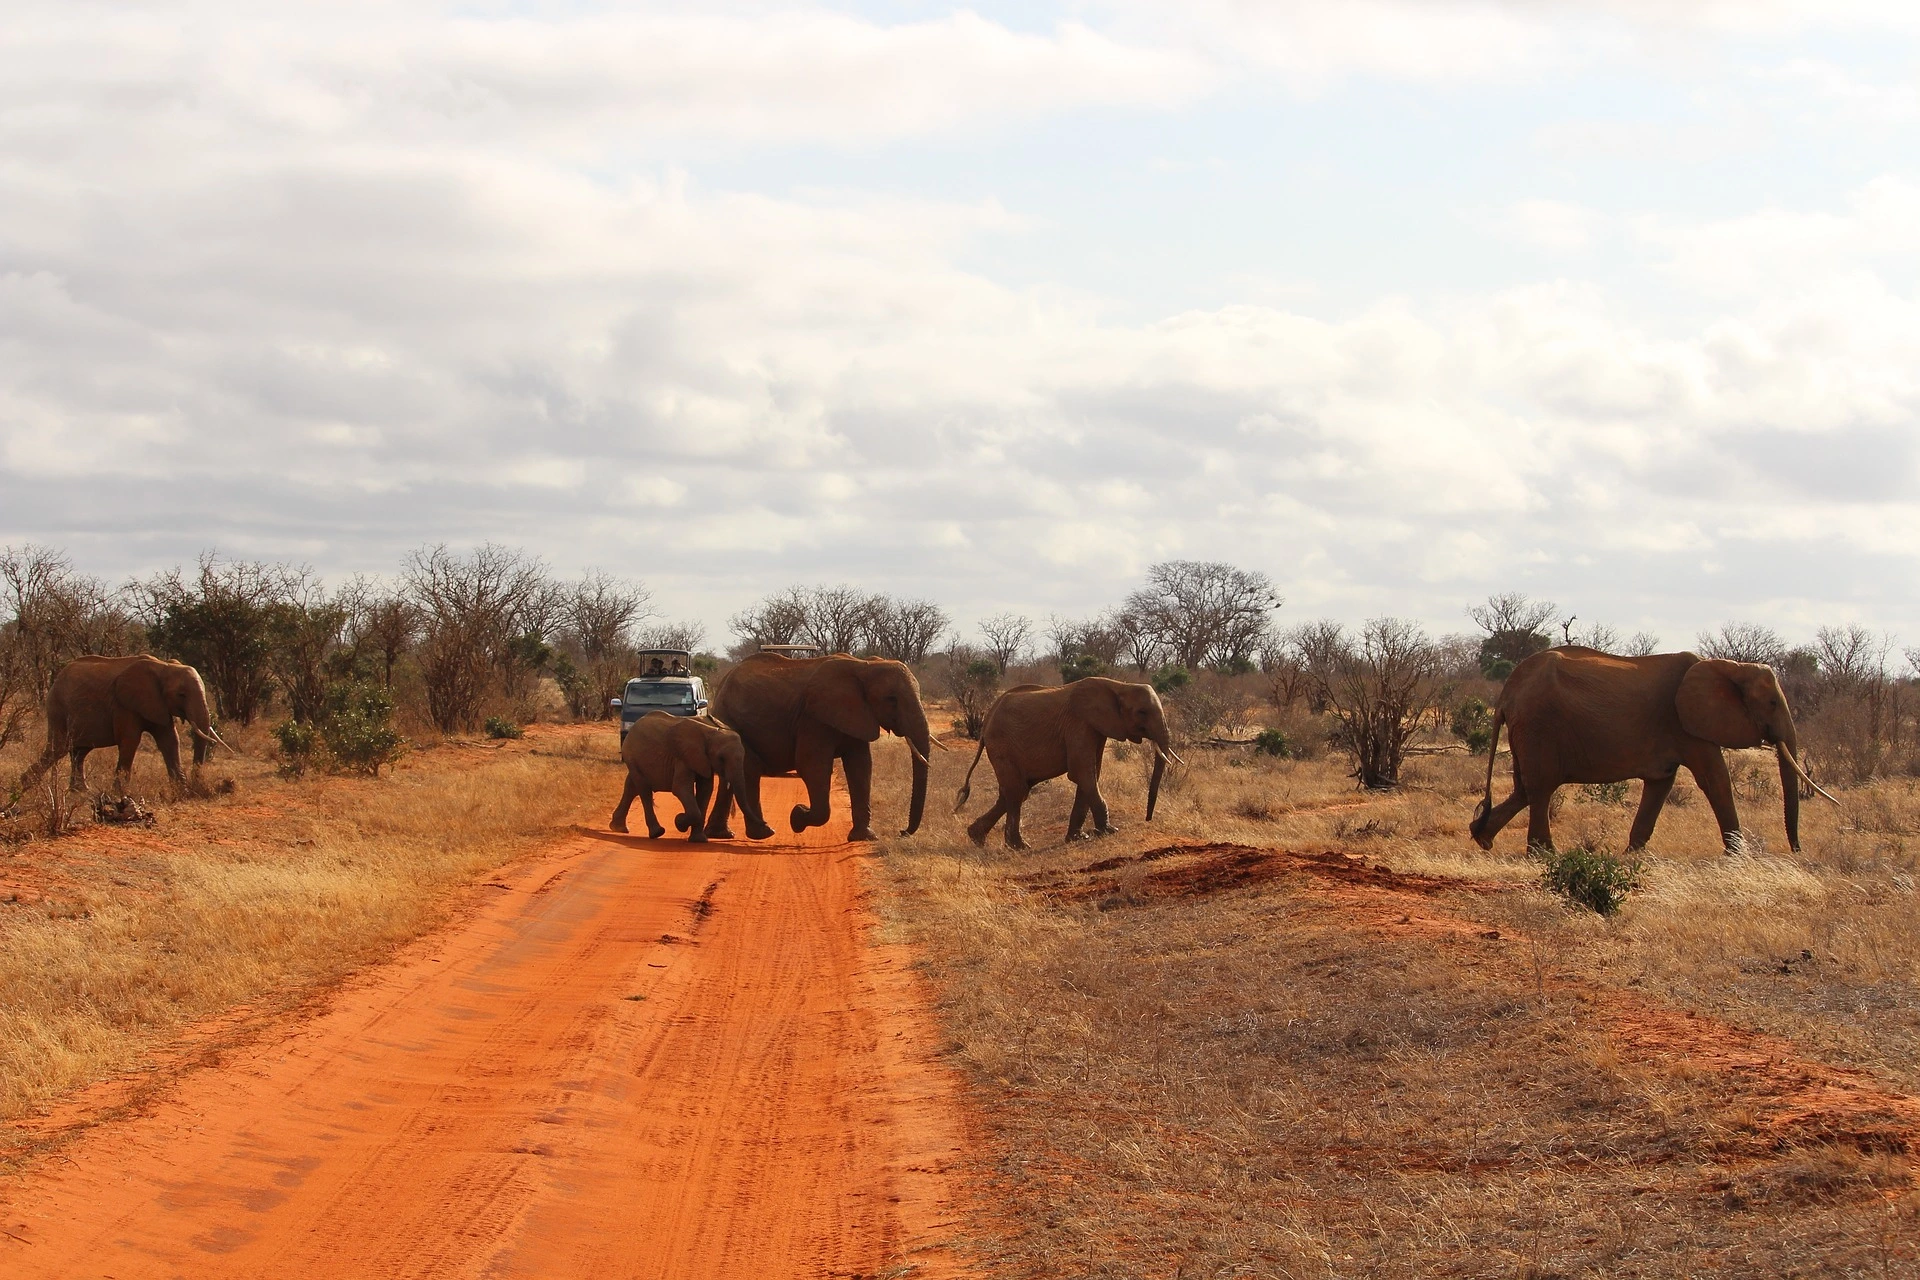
x: 1575, y: 714
x: 799, y: 715
x: 1035, y: 732
x: 99, y: 702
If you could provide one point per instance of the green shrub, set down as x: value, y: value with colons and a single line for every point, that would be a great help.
x: 1272, y: 742
x: 1612, y: 793
x: 1590, y: 878
x: 1472, y: 723
x: 501, y: 727
x: 297, y: 742
x: 1080, y: 666
x: 1171, y: 679
x: 358, y: 727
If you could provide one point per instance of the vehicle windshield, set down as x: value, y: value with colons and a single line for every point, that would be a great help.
x: 649, y: 693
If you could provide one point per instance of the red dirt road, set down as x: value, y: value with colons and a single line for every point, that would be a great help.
x: 639, y: 1058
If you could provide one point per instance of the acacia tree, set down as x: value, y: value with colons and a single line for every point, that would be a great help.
x: 305, y: 631
x: 904, y: 629
x: 780, y: 618
x: 471, y: 608
x: 220, y: 621
x: 1516, y: 627
x: 1378, y: 684
x: 383, y: 628
x: 838, y: 618
x: 1204, y: 612
x: 1006, y: 636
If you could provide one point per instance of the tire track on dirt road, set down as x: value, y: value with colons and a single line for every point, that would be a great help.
x: 640, y: 1058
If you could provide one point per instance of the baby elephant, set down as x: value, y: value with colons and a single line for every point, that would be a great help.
x: 682, y: 754
x: 1033, y: 732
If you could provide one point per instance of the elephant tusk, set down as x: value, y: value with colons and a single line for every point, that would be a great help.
x: 916, y: 752
x: 936, y: 742
x: 211, y: 736
x: 1801, y: 770
x: 1170, y: 754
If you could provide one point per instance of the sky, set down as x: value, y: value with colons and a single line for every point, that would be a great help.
x: 1401, y: 302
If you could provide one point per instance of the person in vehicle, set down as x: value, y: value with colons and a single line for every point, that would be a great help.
x: 655, y: 668
x: 678, y: 668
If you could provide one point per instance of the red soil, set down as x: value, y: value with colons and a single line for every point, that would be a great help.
x: 639, y: 1058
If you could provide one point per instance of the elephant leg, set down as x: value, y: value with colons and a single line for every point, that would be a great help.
x: 168, y: 740
x: 688, y: 819
x: 123, y: 769
x: 654, y: 829
x: 813, y: 761
x: 1653, y: 796
x: 717, y: 828
x: 1539, y: 828
x: 978, y: 828
x: 1489, y: 824
x: 1709, y: 769
x: 686, y: 791
x: 77, y: 774
x: 1014, y: 838
x: 1077, y: 815
x: 857, y: 763
x: 619, y: 820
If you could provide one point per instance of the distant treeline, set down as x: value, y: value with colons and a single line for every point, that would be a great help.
x: 456, y: 638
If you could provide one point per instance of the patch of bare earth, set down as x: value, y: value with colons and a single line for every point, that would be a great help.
x: 1345, y: 1055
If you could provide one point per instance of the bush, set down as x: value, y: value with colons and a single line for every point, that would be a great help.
x: 501, y: 727
x: 1272, y: 742
x: 1170, y: 679
x: 1080, y: 666
x: 1589, y: 878
x: 358, y: 727
x: 297, y: 742
x: 1472, y: 723
x: 1611, y: 793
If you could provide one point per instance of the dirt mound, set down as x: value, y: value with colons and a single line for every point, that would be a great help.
x: 1199, y: 870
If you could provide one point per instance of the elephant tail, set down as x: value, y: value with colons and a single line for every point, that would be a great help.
x: 1493, y: 754
x: 966, y: 785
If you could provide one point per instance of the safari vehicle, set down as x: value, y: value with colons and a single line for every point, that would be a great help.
x: 666, y: 683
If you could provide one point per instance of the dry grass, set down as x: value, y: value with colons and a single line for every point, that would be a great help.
x: 115, y: 940
x: 1271, y: 1072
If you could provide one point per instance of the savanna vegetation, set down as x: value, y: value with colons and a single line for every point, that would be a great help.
x: 1298, y: 1026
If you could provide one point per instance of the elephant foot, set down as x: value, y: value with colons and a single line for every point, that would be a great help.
x: 617, y: 825
x: 724, y: 832
x: 1017, y: 845
x: 696, y: 837
x: 654, y: 833
x: 862, y: 834
x: 800, y: 818
x: 757, y: 831
x: 977, y: 834
x: 681, y: 822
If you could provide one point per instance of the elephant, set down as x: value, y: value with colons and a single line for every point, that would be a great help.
x: 1575, y: 714
x: 1034, y: 732
x: 99, y: 702
x: 797, y: 715
x: 682, y: 754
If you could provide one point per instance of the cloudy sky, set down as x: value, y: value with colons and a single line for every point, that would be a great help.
x: 1401, y: 301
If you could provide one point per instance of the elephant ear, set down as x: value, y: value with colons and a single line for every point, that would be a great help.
x: 138, y: 690
x: 1711, y: 704
x: 1097, y: 702
x: 837, y: 697
x: 690, y: 745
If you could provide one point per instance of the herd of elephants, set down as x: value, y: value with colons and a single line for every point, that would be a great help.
x: 1571, y: 715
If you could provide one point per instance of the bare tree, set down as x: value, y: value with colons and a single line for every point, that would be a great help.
x: 973, y: 679
x: 1379, y: 685
x: 472, y: 608
x: 781, y: 618
x: 1204, y: 612
x: 1641, y: 645
x: 383, y: 628
x: 1595, y: 635
x: 50, y: 614
x: 1285, y: 669
x: 1006, y: 635
x: 599, y: 615
x: 839, y: 618
x: 305, y: 630
x: 1137, y: 639
x: 1744, y: 642
x: 904, y: 629
x: 691, y: 636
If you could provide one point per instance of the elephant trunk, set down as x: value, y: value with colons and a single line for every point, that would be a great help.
x: 204, y: 738
x: 922, y: 742
x: 1787, y: 748
x: 1163, y: 747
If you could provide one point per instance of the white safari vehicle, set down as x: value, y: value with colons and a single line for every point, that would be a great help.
x: 666, y: 683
